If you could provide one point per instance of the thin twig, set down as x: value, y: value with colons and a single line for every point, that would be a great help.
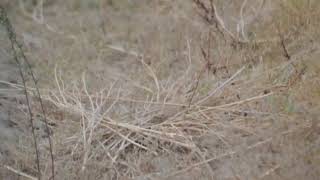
x: 20, y: 173
x: 270, y: 171
x: 12, y: 37
x: 14, y: 44
x: 43, y: 112
x: 283, y: 45
x: 221, y: 86
x: 242, y: 23
x: 218, y: 107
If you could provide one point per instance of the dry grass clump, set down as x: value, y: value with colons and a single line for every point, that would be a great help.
x: 157, y: 118
x: 184, y: 90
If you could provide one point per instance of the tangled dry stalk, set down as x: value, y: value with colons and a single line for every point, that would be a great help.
x: 213, y: 103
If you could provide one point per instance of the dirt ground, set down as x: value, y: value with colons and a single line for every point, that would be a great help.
x: 163, y: 90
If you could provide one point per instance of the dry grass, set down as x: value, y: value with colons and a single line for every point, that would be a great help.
x: 175, y: 90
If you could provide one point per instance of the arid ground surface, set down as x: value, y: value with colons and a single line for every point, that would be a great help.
x: 156, y: 89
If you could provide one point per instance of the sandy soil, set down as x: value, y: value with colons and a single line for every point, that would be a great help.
x: 249, y: 145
